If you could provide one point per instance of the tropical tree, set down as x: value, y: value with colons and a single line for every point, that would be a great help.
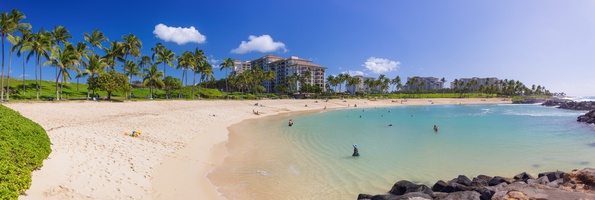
x: 93, y: 66
x: 95, y: 39
x: 131, y: 46
x: 184, y: 62
x: 198, y: 58
x: 206, y: 74
x: 114, y: 53
x: 144, y: 62
x: 152, y: 78
x: 171, y: 83
x: 131, y: 69
x: 330, y: 80
x: 8, y: 25
x: 40, y: 46
x: 59, y: 34
x: 64, y: 60
x: 110, y: 82
x: 26, y: 38
x: 166, y: 57
x: 353, y: 81
x: 227, y: 63
x: 82, y: 52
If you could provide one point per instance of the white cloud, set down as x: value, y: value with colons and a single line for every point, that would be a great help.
x: 381, y: 65
x: 213, y: 61
x: 353, y: 73
x: 178, y: 35
x: 263, y: 44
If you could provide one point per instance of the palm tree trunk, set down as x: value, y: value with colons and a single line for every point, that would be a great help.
x: 164, y: 77
x: 57, y: 78
x: 2, y: 76
x: 24, y: 87
x: 226, y: 87
x: 8, y: 81
x: 36, y: 79
x: 193, y: 84
x: 40, y: 77
x: 183, y: 72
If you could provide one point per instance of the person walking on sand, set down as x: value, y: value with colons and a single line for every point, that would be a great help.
x: 355, y: 150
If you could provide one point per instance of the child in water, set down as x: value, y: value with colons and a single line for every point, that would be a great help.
x: 355, y: 151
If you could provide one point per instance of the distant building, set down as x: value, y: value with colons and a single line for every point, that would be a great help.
x: 430, y: 83
x: 284, y: 67
x: 361, y: 87
x: 480, y: 82
x: 241, y: 66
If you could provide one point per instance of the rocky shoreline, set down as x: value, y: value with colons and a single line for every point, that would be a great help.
x: 577, y: 184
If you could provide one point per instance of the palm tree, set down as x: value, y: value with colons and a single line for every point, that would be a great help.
x: 206, y: 74
x: 152, y: 78
x: 156, y: 49
x: 40, y: 46
x: 93, y: 66
x: 62, y: 59
x: 27, y: 37
x: 184, y: 62
x: 198, y: 60
x: 342, y: 78
x: 227, y: 63
x: 165, y: 56
x: 82, y: 52
x: 59, y: 34
x: 132, y: 46
x: 114, y: 53
x: 8, y: 25
x: 145, y: 61
x: 5, y: 29
x: 443, y: 82
x: 131, y: 69
x: 95, y: 39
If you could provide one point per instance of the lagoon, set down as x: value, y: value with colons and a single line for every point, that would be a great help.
x: 312, y: 159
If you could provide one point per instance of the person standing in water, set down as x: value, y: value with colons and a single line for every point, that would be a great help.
x: 290, y: 122
x: 355, y: 150
x: 435, y: 128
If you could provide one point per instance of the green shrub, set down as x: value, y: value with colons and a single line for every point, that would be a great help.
x: 23, y: 147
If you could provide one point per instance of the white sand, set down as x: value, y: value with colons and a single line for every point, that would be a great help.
x: 181, y: 142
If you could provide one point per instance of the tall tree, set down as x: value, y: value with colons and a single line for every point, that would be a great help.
x: 206, y: 74
x: 114, y: 53
x: 132, y: 46
x: 25, y: 39
x: 9, y: 23
x: 152, y: 78
x: 227, y: 63
x: 184, y: 62
x: 166, y: 57
x: 199, y: 58
x: 59, y: 35
x: 95, y: 39
x: 40, y: 46
x: 64, y: 60
x: 93, y: 66
x: 82, y: 52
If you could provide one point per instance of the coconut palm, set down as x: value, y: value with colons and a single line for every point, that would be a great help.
x: 145, y: 61
x: 131, y: 69
x: 206, y: 74
x: 82, y: 52
x: 114, y: 53
x: 152, y: 78
x: 184, y: 62
x: 40, y: 46
x: 132, y: 46
x: 227, y: 63
x: 95, y: 39
x: 156, y: 49
x: 26, y: 38
x: 8, y: 25
x: 59, y: 34
x: 64, y: 60
x: 166, y: 57
x: 93, y: 66
x: 198, y: 60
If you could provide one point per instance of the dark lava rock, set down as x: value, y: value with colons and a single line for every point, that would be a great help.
x: 552, y: 176
x: 497, y: 180
x: 570, y: 105
x: 415, y: 195
x: 523, y: 177
x: 364, y: 196
x: 462, y: 179
x: 404, y: 187
x: 438, y: 186
x: 470, y: 195
x: 529, y: 101
x: 588, y: 118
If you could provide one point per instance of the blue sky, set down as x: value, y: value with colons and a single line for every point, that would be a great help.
x: 542, y: 42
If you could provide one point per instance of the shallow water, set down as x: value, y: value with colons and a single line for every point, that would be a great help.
x: 312, y: 159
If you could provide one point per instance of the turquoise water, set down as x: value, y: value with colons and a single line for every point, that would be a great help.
x: 312, y: 159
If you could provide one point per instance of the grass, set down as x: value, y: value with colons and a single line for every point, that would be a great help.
x: 23, y: 147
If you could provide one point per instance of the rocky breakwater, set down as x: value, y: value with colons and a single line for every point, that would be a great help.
x: 570, y: 105
x: 588, y: 118
x: 577, y: 184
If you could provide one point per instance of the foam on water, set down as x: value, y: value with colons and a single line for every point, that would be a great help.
x: 313, y: 158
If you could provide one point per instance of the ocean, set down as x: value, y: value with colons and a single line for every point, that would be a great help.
x: 312, y: 159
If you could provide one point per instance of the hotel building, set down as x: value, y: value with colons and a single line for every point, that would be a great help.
x: 284, y: 67
x: 480, y: 82
x: 361, y: 87
x: 430, y: 83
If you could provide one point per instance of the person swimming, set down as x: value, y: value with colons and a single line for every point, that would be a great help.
x: 355, y: 150
x: 435, y: 128
x: 290, y: 122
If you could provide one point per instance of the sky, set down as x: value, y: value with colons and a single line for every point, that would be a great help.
x: 542, y: 42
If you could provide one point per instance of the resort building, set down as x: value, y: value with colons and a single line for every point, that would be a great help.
x: 241, y: 66
x: 429, y: 83
x: 463, y: 82
x: 361, y: 87
x: 284, y: 67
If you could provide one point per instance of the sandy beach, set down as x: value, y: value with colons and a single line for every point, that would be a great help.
x: 181, y: 142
